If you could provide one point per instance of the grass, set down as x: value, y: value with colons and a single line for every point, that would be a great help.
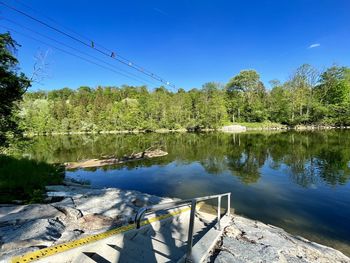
x: 24, y: 179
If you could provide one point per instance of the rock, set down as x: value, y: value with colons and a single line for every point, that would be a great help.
x: 270, y: 244
x: 77, y: 211
x: 107, y: 202
x: 139, y: 202
x: 35, y: 232
x: 60, y: 194
x: 67, y: 191
x: 227, y: 257
x: 69, y: 235
x: 71, y: 182
x: 64, y: 202
x: 96, y: 222
x: 232, y: 232
x: 13, y: 214
x: 112, y: 160
x: 234, y: 128
x: 70, y: 212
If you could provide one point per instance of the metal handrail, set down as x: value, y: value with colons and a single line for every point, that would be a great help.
x: 142, y: 211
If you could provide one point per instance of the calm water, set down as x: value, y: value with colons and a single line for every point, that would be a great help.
x: 295, y: 180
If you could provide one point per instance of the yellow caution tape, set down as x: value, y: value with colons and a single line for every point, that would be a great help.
x: 49, y: 251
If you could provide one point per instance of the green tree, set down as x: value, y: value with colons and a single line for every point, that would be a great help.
x: 279, y: 104
x: 247, y: 93
x: 334, y: 86
x: 300, y: 87
x: 333, y: 95
x: 212, y: 106
x: 12, y: 87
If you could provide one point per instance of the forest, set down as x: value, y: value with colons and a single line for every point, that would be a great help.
x: 308, y: 97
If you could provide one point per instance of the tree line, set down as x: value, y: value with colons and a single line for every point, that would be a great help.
x: 307, y: 97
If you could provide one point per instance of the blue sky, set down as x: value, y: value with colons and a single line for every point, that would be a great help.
x: 186, y: 42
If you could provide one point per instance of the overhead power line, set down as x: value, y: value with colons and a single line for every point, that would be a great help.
x: 70, y: 53
x: 133, y: 76
x: 92, y: 45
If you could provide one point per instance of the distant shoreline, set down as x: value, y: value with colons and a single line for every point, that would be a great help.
x: 254, y: 127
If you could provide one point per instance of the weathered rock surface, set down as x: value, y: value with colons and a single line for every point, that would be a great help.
x: 82, y: 211
x: 250, y: 241
x: 96, y: 222
x: 30, y: 234
x: 21, y: 213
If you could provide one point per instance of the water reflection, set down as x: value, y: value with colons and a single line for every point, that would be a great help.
x: 308, y: 157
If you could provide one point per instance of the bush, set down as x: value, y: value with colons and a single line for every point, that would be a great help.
x: 25, y: 179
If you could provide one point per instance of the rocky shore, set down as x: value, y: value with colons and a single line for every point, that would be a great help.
x: 78, y: 211
x: 249, y: 241
x: 75, y: 211
x: 228, y: 128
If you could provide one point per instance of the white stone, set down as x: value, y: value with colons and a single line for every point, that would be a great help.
x: 234, y: 128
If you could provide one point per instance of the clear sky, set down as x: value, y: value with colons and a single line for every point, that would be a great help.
x: 186, y: 42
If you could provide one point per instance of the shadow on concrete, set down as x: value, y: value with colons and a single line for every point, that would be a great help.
x: 165, y: 241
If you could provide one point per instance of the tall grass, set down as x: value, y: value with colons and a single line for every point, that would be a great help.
x: 25, y: 179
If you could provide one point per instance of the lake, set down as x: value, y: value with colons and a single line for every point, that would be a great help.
x: 295, y: 180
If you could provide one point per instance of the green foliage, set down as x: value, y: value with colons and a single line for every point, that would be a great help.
x: 279, y: 105
x: 25, y: 179
x: 247, y: 97
x: 334, y: 86
x: 244, y: 99
x: 122, y: 108
x: 306, y: 98
x: 12, y: 86
x: 312, y: 98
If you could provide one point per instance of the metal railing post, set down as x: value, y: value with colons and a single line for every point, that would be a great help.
x: 219, y: 212
x: 190, y: 231
x: 228, y: 204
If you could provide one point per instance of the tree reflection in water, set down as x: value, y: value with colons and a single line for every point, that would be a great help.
x: 307, y: 157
